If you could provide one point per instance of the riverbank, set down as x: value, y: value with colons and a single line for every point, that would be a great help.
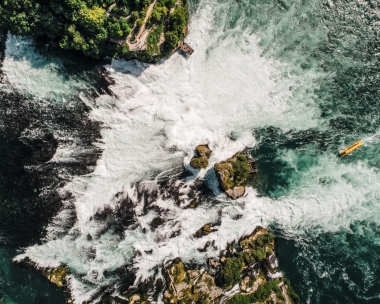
x: 148, y: 31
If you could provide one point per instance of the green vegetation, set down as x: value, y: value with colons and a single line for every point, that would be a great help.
x: 240, y: 169
x: 201, y: 160
x: 186, y: 285
x: 232, y: 172
x: 231, y: 271
x: 291, y: 293
x: 251, y: 249
x: 177, y: 22
x: 88, y: 26
x: 153, y: 39
x: 189, y: 285
x: 260, y: 295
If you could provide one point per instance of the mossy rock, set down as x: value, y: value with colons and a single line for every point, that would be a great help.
x: 201, y: 159
x: 199, y: 162
x: 58, y: 276
x: 233, y: 172
x: 205, y: 230
x: 189, y: 285
x: 203, y: 150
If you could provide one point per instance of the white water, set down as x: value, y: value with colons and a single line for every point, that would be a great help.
x: 36, y: 75
x: 225, y: 88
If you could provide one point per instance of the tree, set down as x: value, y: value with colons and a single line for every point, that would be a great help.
x: 171, y: 38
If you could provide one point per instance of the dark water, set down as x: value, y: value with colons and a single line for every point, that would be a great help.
x: 23, y: 285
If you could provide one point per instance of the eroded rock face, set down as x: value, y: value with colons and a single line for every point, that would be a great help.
x: 201, y: 160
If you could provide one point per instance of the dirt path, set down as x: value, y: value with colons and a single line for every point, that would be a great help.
x: 148, y: 13
x: 110, y: 8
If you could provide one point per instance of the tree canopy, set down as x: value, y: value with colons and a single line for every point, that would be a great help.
x: 88, y: 26
x: 82, y: 25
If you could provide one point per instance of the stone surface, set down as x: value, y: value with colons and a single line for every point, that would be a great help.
x: 236, y: 192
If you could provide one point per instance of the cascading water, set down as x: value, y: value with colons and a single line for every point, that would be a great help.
x: 295, y: 81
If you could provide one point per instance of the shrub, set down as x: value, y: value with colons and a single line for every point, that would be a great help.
x: 231, y: 271
x: 241, y: 169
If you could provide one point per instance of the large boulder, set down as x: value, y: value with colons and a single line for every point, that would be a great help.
x: 236, y: 192
x: 201, y: 159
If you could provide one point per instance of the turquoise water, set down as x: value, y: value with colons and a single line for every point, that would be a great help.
x: 322, y: 59
x: 24, y: 285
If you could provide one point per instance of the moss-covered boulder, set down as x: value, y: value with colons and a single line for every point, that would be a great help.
x: 201, y: 159
x: 232, y: 173
x: 205, y: 230
x: 58, y: 275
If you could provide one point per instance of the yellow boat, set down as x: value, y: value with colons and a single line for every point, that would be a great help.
x: 351, y: 148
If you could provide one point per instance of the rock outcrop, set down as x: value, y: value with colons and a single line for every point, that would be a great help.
x: 201, y: 159
x: 236, y: 192
x: 189, y: 285
x: 244, y: 266
x: 232, y: 174
x: 242, y: 274
x: 205, y: 230
x: 58, y: 275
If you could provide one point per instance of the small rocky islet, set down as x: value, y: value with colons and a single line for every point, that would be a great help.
x: 231, y: 173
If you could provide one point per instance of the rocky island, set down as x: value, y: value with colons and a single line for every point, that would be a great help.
x: 143, y: 29
x: 232, y: 173
x: 246, y: 272
x: 243, y: 274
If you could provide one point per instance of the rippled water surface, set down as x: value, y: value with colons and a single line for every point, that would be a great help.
x: 293, y: 80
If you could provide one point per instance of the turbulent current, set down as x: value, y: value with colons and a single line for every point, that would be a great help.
x: 83, y: 155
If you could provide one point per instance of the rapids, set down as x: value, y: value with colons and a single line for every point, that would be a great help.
x: 294, y: 81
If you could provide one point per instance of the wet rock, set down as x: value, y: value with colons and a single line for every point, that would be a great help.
x: 205, y: 230
x: 201, y: 160
x: 156, y: 222
x: 236, y: 192
x: 58, y: 276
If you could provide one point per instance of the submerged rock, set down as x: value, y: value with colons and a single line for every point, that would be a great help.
x: 201, y: 160
x: 232, y: 173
